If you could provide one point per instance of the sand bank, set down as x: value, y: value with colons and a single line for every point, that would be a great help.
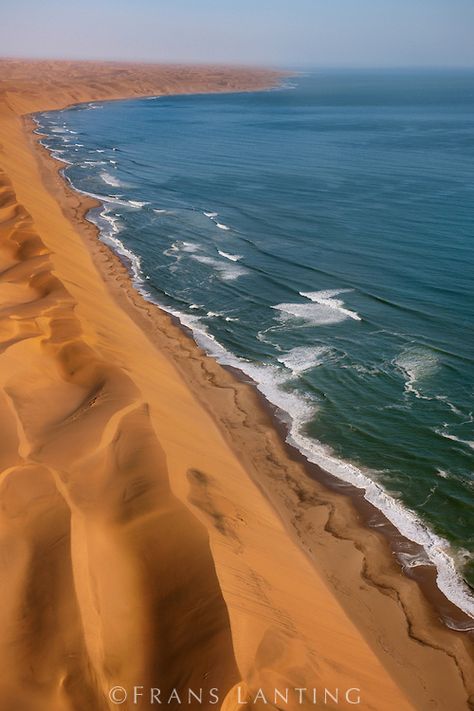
x: 155, y: 530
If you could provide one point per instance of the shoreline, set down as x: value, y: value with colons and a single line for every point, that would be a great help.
x: 328, y: 525
x: 451, y: 613
x: 372, y: 517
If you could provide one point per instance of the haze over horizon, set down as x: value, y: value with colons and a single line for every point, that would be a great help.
x: 344, y: 33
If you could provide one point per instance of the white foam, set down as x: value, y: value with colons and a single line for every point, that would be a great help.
x: 360, y: 368
x: 226, y: 271
x: 303, y: 358
x: 62, y: 129
x: 112, y: 219
x: 218, y: 314
x: 58, y: 155
x: 322, y: 310
x: 137, y: 203
x: 313, y: 314
x: 212, y: 216
x: 413, y: 560
x: 417, y: 364
x: 160, y: 212
x: 118, y: 246
x: 231, y: 257
x: 189, y: 246
x: 463, y: 626
x: 181, y: 246
x: 94, y: 162
x: 103, y: 198
x: 444, y: 399
x: 454, y: 438
x: 110, y: 179
x: 326, y: 298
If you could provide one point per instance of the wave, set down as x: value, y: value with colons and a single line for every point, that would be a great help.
x: 61, y: 130
x: 217, y: 314
x: 111, y: 179
x: 451, y: 406
x: 323, y: 310
x: 417, y: 364
x: 94, y: 162
x: 231, y: 257
x: 58, y: 155
x: 467, y: 442
x: 212, y: 216
x: 159, y: 212
x: 303, y: 358
x: 181, y: 246
x: 137, y: 203
x: 326, y: 298
x: 361, y: 369
x: 413, y: 560
x: 226, y: 271
x: 110, y: 236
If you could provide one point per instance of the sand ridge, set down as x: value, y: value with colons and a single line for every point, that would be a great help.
x: 153, y: 530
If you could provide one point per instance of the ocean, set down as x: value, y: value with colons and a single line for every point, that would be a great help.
x: 319, y: 237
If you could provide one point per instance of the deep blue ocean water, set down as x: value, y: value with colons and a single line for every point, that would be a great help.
x: 319, y: 237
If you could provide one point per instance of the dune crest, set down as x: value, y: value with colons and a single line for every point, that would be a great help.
x: 154, y: 531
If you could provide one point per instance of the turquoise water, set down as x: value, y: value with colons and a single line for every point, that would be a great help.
x: 319, y: 237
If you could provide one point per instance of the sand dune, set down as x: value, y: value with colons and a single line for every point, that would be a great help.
x: 154, y: 531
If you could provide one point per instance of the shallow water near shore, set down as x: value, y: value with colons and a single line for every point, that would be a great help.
x: 318, y: 237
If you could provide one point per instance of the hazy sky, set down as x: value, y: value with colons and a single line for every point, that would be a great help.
x: 277, y: 32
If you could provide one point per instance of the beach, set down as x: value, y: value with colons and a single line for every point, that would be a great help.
x: 157, y: 533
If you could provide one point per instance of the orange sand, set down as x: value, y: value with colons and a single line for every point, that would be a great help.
x: 154, y: 530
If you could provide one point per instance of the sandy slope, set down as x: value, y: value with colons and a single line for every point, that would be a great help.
x: 153, y: 530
